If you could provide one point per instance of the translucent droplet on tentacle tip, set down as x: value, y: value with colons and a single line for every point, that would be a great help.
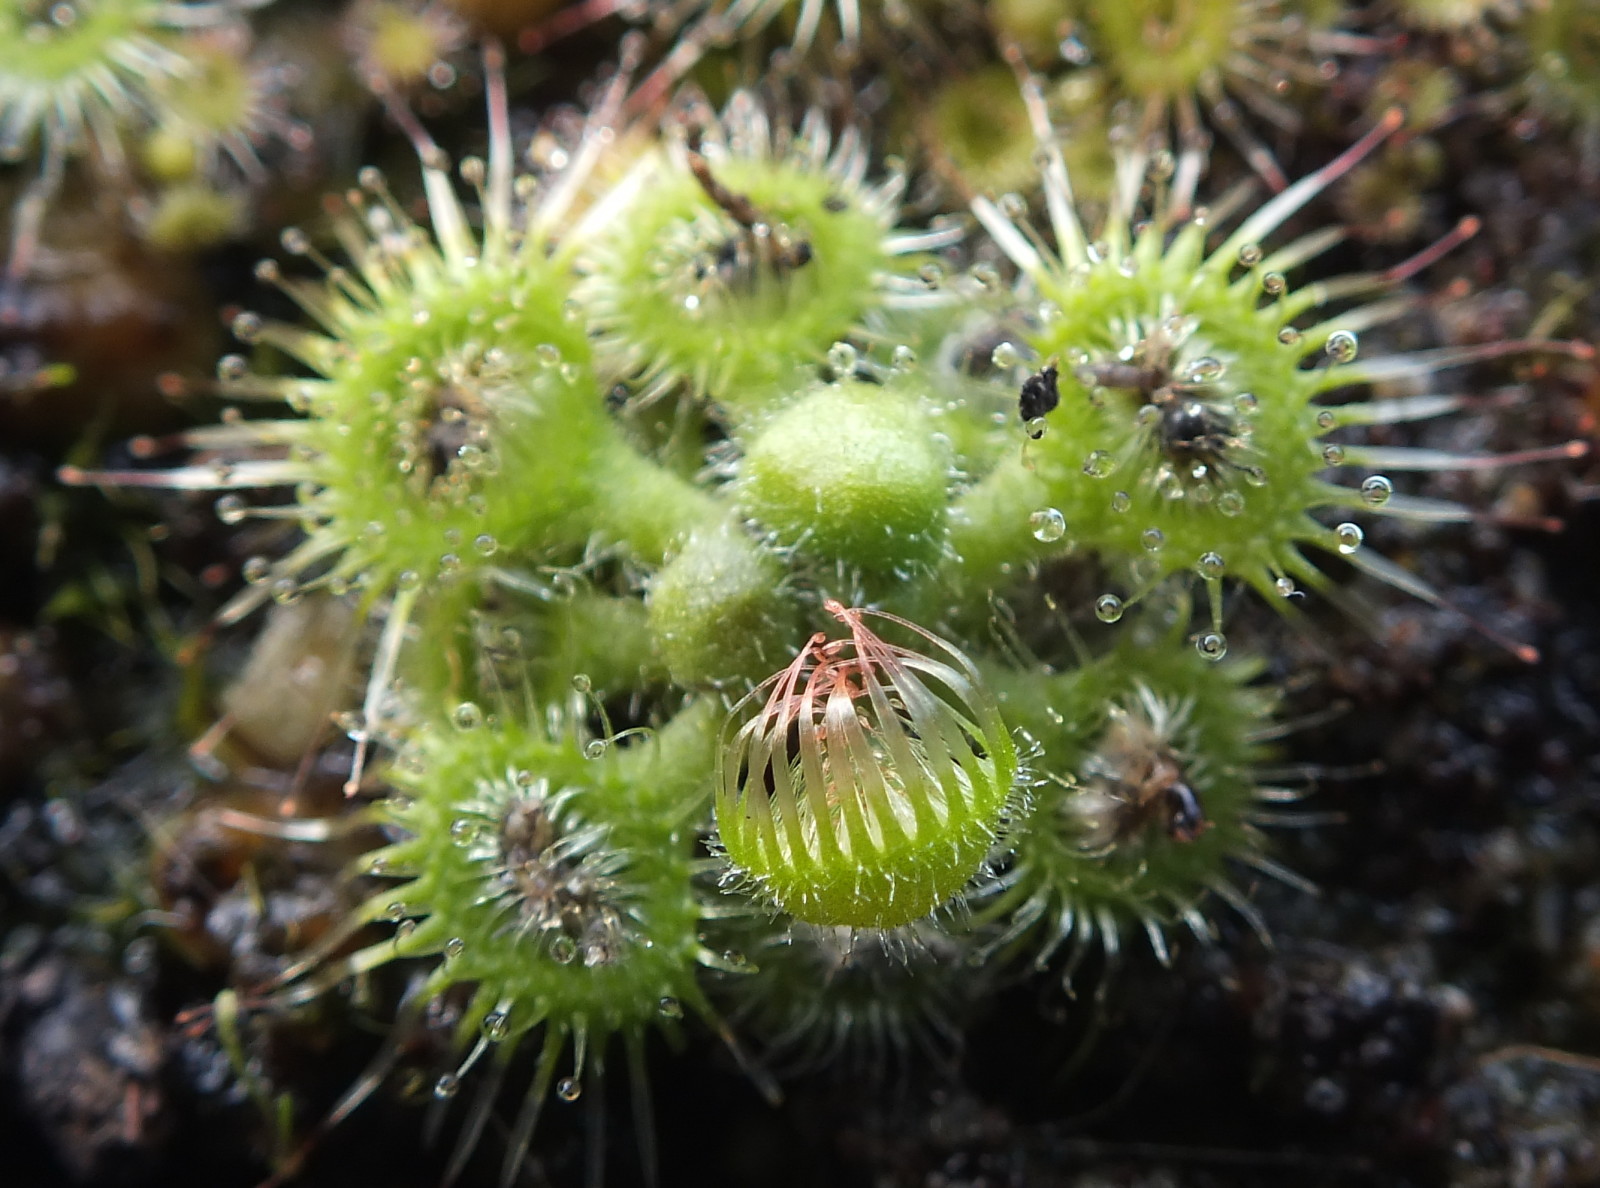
x: 1375, y: 490
x: 1211, y: 645
x: 1048, y: 525
x: 1342, y: 346
x: 1108, y: 608
x: 1349, y: 537
x: 496, y: 1026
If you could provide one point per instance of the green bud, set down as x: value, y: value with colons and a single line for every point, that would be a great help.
x: 850, y: 473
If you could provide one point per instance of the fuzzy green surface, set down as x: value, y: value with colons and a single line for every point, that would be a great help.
x: 852, y: 473
x: 655, y: 315
x: 645, y: 798
x: 1151, y: 876
x: 1254, y: 522
x: 883, y: 886
x: 717, y: 613
x: 375, y: 423
x: 945, y: 786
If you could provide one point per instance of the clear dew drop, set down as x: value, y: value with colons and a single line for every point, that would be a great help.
x: 1098, y: 464
x: 904, y: 357
x: 595, y: 748
x: 464, y: 830
x: 1342, y: 346
x: 1349, y: 537
x: 670, y: 1008
x: 1035, y: 428
x: 1121, y: 501
x: 1288, y: 336
x: 454, y: 947
x: 1230, y: 503
x: 231, y: 509
x: 1211, y: 566
x: 582, y: 683
x: 1245, y: 403
x: 1048, y: 525
x: 1375, y: 490
x: 396, y: 912
x: 1285, y: 587
x: 547, y: 353
x: 1108, y: 608
x: 1326, y: 419
x: 1211, y: 645
x: 569, y: 1089
x: 1333, y: 454
x: 256, y: 570
x: 1205, y: 370
x: 1005, y: 356
x: 1274, y: 284
x: 842, y: 358
x: 563, y: 950
x: 485, y: 545
x: 496, y: 1026
x: 1250, y: 255
x: 1152, y: 539
x: 446, y: 1087
x: 232, y: 367
x: 467, y: 716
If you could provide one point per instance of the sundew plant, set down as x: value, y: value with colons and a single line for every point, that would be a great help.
x: 772, y: 593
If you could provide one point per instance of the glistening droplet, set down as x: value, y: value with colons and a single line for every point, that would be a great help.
x: 1375, y: 490
x: 1342, y: 346
x: 1048, y: 525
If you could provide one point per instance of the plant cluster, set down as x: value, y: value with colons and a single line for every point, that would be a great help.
x: 789, y: 602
